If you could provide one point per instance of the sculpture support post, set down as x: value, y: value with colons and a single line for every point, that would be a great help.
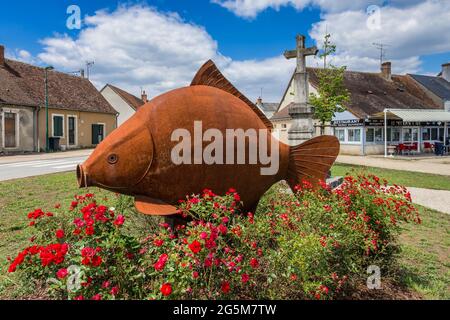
x: 302, y: 128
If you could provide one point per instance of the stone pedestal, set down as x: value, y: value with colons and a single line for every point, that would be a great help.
x: 302, y: 128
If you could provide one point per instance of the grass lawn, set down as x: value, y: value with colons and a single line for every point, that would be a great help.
x: 406, y: 178
x: 424, y: 259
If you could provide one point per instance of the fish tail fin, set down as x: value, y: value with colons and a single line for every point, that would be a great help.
x: 312, y: 160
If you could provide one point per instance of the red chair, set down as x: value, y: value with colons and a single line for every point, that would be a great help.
x: 428, y: 146
x: 401, y: 148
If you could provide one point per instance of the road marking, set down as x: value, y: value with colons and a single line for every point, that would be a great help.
x: 22, y: 164
x: 55, y: 163
x: 74, y: 165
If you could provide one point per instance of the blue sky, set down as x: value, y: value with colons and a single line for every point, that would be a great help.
x: 26, y: 22
x: 245, y: 37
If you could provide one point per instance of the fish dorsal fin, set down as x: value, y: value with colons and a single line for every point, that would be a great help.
x: 153, y: 207
x: 210, y: 75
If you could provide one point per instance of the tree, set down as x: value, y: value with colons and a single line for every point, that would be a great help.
x: 331, y: 92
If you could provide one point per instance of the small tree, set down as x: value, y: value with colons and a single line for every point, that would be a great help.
x: 331, y: 92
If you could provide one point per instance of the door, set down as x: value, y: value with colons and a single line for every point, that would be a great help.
x: 10, y: 130
x: 72, y: 131
x: 97, y: 133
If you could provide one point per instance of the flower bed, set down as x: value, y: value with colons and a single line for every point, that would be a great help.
x: 314, y: 244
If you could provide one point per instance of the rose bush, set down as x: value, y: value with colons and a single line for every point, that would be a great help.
x: 313, y: 244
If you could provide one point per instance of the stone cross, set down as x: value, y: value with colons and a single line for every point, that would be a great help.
x: 302, y: 127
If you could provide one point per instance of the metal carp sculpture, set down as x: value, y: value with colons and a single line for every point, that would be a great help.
x: 137, y: 158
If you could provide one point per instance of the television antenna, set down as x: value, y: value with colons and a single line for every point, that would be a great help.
x: 382, y: 48
x: 89, y: 65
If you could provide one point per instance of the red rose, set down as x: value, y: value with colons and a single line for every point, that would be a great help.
x: 195, y: 274
x: 245, y: 277
x: 62, y: 273
x: 60, y: 234
x: 119, y: 220
x: 195, y: 246
x: 225, y: 287
x: 166, y: 289
x: 223, y: 229
x: 254, y: 263
x: 98, y: 296
x: 160, y: 264
x: 115, y: 290
x: 158, y: 242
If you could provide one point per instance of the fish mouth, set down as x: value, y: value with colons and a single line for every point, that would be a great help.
x: 82, y: 177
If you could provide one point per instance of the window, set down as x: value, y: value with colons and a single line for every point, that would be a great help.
x: 284, y: 126
x: 410, y: 134
x: 58, y: 130
x: 432, y: 134
x: 375, y: 134
x: 426, y: 134
x: 340, y: 134
x: 395, y: 134
x: 370, y: 136
x: 354, y: 135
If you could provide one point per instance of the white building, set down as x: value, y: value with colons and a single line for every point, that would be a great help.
x: 123, y: 102
x: 361, y: 129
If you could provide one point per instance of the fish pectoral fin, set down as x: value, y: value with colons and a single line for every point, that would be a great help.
x: 153, y: 207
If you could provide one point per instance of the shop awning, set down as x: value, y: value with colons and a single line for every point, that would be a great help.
x: 414, y: 115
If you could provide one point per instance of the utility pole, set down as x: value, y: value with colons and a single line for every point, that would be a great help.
x: 47, y: 69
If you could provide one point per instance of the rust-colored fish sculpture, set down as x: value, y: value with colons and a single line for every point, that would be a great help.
x: 150, y: 156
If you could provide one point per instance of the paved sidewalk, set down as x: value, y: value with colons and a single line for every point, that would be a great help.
x: 435, y: 199
x: 435, y: 165
x: 45, y: 156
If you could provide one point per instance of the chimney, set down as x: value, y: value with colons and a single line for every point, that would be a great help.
x: 82, y: 73
x: 2, y: 55
x: 144, y: 97
x: 386, y: 71
x: 446, y: 71
x: 259, y: 101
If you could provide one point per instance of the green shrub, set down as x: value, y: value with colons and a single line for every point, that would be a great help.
x: 314, y: 244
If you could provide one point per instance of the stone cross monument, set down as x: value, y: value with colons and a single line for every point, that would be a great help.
x: 302, y: 127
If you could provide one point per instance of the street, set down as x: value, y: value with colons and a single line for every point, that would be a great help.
x: 22, y: 166
x: 24, y: 169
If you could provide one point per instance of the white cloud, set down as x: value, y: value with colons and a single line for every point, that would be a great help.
x: 135, y: 46
x: 409, y: 33
x: 251, y: 8
x: 138, y: 46
x: 158, y: 52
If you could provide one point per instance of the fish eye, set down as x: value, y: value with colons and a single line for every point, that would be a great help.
x: 113, y: 158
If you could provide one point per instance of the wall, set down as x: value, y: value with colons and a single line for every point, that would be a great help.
x: 83, y: 127
x: 289, y: 97
x: 350, y: 149
x: 24, y: 129
x: 124, y: 110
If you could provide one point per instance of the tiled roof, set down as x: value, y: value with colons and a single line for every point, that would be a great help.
x: 23, y: 84
x: 132, y: 100
x: 371, y: 93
